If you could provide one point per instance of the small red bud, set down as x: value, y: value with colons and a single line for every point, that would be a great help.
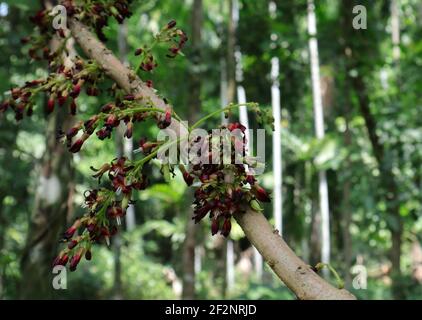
x: 61, y: 100
x: 107, y: 108
x: 50, y: 105
x: 112, y: 121
x: 171, y: 24
x: 227, y: 225
x: 69, y: 232
x: 188, y: 178
x: 61, y: 33
x: 74, y: 261
x: 214, y: 226
x: 64, y: 260
x: 76, y: 89
x: 103, y: 133
x: 16, y: 92
x: 88, y: 255
x: 250, y: 179
x: 138, y: 51
x: 73, y: 107
x: 261, y: 194
x: 76, y: 146
x: 129, y: 130
x: 73, y: 243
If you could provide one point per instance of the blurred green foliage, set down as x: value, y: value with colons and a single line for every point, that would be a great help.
x: 152, y: 252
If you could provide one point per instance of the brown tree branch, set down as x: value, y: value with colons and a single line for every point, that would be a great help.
x: 298, y: 276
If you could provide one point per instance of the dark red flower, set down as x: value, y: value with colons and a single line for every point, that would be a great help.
x: 76, y: 146
x: 112, y: 121
x: 260, y: 193
x: 166, y: 120
x: 73, y: 243
x: 64, y: 260
x: 88, y: 255
x: 75, y: 261
x: 227, y: 225
x: 140, y: 185
x: 73, y: 107
x: 69, y: 232
x: 91, y: 124
x: 129, y: 97
x: 72, y: 132
x: 92, y: 91
x: 56, y: 261
x: 171, y: 24
x: 250, y: 179
x: 103, y: 133
x: 215, y: 225
x: 16, y: 92
x: 61, y: 260
x: 188, y: 178
x: 61, y: 33
x: 61, y: 100
x: 114, y: 212
x: 119, y: 183
x: 50, y: 105
x: 107, y: 108
x: 129, y: 130
x: 236, y: 125
x: 76, y: 89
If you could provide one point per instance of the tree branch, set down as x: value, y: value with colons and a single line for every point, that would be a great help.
x: 298, y: 276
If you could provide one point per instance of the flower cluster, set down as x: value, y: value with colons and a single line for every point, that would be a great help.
x: 169, y: 34
x: 62, y: 87
x: 125, y: 110
x: 224, y: 188
x: 96, y: 13
x: 105, y: 208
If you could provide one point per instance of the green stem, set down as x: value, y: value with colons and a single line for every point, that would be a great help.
x: 217, y: 112
x: 340, y: 282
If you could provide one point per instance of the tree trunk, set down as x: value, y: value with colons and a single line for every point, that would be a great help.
x: 319, y: 130
x: 347, y: 216
x: 389, y: 190
x: 194, y: 104
x: 53, y: 205
x: 277, y: 162
x: 127, y: 146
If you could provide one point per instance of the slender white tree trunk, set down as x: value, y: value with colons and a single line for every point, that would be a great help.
x: 277, y: 155
x: 244, y: 119
x: 198, y: 259
x: 277, y: 161
x: 230, y: 266
x: 127, y: 143
x: 395, y: 29
x: 319, y: 129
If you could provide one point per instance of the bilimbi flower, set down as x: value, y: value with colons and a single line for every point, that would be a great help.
x: 165, y: 120
x: 224, y: 190
x: 76, y: 258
